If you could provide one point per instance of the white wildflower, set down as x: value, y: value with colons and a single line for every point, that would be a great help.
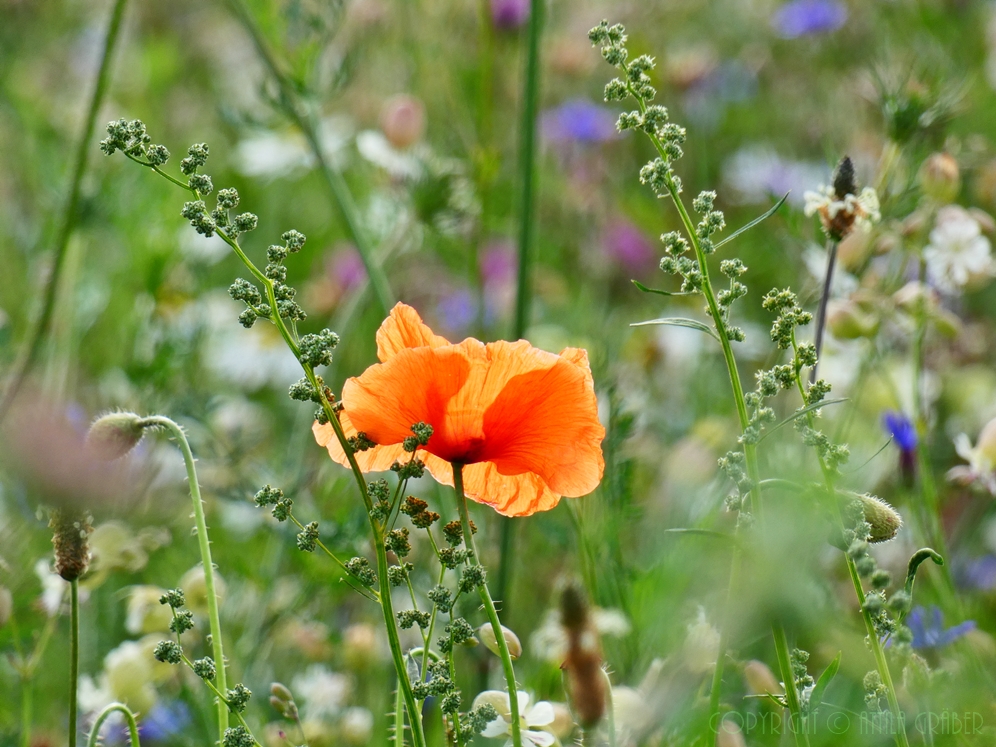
x: 323, y: 691
x: 539, y: 715
x: 840, y: 216
x: 957, y: 252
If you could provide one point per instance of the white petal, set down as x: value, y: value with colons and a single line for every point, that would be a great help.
x: 540, y: 714
x: 523, y: 698
x: 497, y: 728
x: 541, y: 738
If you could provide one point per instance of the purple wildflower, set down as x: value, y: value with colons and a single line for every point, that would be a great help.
x: 498, y: 264
x: 805, y: 17
x: 579, y: 121
x: 628, y: 247
x: 457, y: 311
x: 346, y: 267
x: 980, y: 573
x: 509, y: 14
x: 933, y: 634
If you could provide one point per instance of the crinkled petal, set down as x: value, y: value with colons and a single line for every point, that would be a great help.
x: 509, y: 495
x: 545, y: 421
x: 402, y: 329
x: 377, y: 459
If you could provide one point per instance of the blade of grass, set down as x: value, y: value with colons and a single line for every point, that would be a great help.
x: 67, y: 221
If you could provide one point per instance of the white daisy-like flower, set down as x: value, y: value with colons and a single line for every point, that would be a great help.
x: 323, y: 691
x: 957, y: 252
x: 981, y: 458
x: 840, y: 216
x: 401, y: 164
x: 541, y: 714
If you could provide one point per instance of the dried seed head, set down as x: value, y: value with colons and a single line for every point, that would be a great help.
x: 71, y: 531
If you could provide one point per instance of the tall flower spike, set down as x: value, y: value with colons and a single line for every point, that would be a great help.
x: 840, y: 207
x: 523, y: 422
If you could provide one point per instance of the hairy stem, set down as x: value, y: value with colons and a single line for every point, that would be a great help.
x: 94, y: 739
x: 204, y: 543
x: 489, y: 606
x: 67, y: 221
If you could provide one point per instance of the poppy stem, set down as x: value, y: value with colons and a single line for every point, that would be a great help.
x: 489, y: 606
x: 214, y: 618
x: 105, y: 714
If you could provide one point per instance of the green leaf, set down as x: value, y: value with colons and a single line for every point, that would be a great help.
x: 816, y: 697
x: 800, y: 412
x: 680, y: 322
x: 700, y: 532
x: 768, y: 214
x: 645, y: 289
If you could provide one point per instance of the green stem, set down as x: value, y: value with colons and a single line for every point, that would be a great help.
x: 791, y: 693
x: 94, y: 739
x: 881, y: 663
x: 527, y: 239
x: 489, y: 606
x: 27, y: 691
x: 527, y: 167
x: 399, y: 718
x: 205, y: 548
x: 74, y: 658
x: 67, y: 221
x: 341, y: 195
x: 821, y: 311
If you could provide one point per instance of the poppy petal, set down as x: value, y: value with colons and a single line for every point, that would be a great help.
x: 416, y: 385
x: 377, y: 459
x: 509, y: 495
x: 545, y: 421
x: 402, y: 329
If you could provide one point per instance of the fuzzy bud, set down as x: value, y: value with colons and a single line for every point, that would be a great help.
x: 885, y: 521
x: 846, y: 321
x: 486, y: 635
x: 113, y: 435
x: 940, y: 178
x: 402, y: 120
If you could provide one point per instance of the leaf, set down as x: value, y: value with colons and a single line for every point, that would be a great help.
x: 816, y: 697
x: 680, y: 322
x: 700, y: 532
x: 645, y: 289
x: 754, y: 222
x: 919, y: 557
x: 798, y: 413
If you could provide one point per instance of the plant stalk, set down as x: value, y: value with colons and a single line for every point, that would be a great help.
x: 204, y: 543
x: 489, y: 606
x: 94, y: 739
x: 67, y: 221
x: 74, y: 659
x: 821, y: 312
x: 791, y: 693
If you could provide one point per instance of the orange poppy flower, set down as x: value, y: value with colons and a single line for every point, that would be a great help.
x: 523, y: 422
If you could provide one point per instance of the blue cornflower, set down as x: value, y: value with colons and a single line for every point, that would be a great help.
x: 980, y: 573
x: 933, y: 634
x: 903, y: 432
x: 806, y: 17
x: 901, y: 429
x: 580, y: 121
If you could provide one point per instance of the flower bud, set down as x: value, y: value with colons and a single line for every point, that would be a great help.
x: 281, y: 692
x: 113, y: 435
x: 729, y: 735
x: 939, y: 177
x: 884, y: 519
x: 854, y: 249
x: 403, y: 120
x: 486, y: 634
x: 848, y: 322
x: 6, y: 605
x: 984, y: 219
